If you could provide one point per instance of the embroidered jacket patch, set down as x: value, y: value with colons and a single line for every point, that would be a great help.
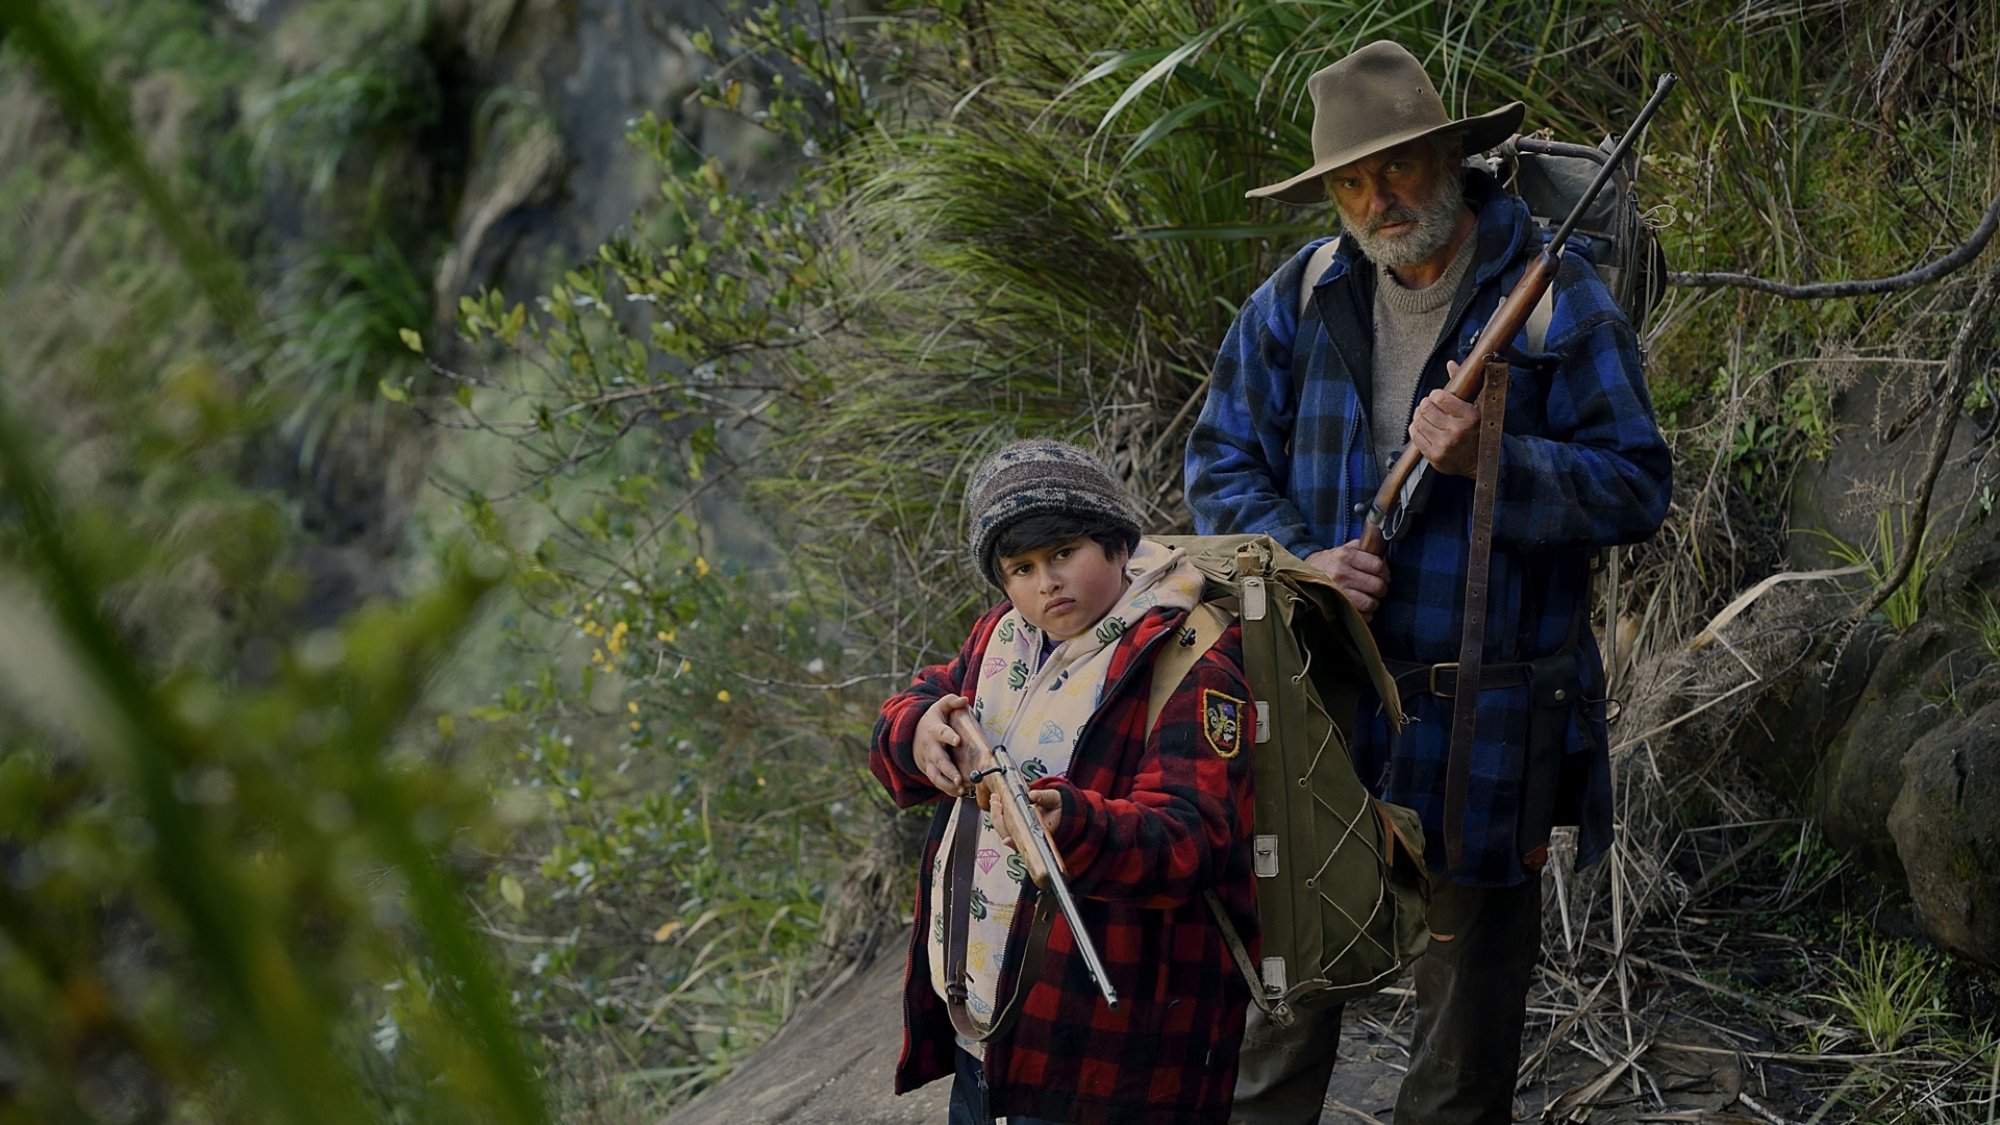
x: 1222, y: 722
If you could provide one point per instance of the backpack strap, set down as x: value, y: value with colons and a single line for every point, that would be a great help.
x: 1204, y: 626
x: 955, y: 904
x: 1315, y: 266
x: 1275, y: 1008
x: 1472, y: 632
x: 1539, y: 318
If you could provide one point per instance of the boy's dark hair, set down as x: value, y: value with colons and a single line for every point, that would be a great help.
x: 1046, y: 529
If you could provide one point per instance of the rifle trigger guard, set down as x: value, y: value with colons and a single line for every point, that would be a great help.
x: 1392, y: 521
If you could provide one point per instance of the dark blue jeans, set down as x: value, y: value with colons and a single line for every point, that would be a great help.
x: 968, y: 1097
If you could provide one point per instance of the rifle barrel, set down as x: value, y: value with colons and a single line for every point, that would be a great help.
x: 1610, y: 165
x: 1506, y: 321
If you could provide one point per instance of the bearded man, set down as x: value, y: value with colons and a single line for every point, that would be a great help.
x: 1310, y: 401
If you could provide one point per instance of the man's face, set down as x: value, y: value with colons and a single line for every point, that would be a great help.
x: 1401, y: 204
x: 1065, y: 589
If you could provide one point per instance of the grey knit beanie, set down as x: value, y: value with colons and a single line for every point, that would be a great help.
x: 1037, y: 477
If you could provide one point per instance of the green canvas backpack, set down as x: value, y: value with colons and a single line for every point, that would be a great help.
x: 1341, y: 883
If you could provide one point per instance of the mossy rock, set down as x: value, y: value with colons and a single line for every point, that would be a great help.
x: 1928, y: 679
x: 1946, y: 828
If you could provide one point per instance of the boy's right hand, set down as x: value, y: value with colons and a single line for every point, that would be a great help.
x: 938, y: 746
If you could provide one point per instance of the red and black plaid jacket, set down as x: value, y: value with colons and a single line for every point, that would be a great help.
x: 1147, y: 826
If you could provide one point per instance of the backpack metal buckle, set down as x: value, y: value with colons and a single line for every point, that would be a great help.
x: 1451, y: 667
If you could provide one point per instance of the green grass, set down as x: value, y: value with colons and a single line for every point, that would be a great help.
x: 1984, y: 617
x: 1906, y: 606
x: 1888, y: 992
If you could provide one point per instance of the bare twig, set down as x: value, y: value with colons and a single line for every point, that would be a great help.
x: 1339, y: 1106
x: 1750, y: 1104
x: 1960, y: 257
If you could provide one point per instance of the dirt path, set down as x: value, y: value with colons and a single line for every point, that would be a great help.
x: 833, y: 1065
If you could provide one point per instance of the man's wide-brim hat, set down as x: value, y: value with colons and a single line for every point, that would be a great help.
x: 1377, y: 98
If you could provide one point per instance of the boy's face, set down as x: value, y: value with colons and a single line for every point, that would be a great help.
x: 1065, y: 589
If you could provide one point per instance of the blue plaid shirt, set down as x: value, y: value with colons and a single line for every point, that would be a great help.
x: 1284, y: 447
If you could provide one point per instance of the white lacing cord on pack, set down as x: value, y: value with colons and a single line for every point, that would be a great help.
x: 1351, y: 825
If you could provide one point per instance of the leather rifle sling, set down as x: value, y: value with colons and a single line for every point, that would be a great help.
x: 1472, y: 634
x: 957, y: 908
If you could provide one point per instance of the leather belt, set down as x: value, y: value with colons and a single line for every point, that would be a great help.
x: 1441, y: 680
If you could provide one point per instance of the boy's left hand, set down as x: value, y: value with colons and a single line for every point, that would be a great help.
x: 1047, y: 802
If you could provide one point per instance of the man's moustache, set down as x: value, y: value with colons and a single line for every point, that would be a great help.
x: 1398, y: 215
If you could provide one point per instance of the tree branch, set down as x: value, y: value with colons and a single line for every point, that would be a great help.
x: 1923, y: 275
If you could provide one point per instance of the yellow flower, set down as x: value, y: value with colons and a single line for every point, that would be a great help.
x: 722, y: 696
x: 635, y: 726
x: 701, y: 567
x: 632, y: 706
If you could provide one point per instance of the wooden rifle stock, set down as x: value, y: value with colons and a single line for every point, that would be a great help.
x: 1385, y: 514
x: 1507, y: 321
x: 1001, y: 781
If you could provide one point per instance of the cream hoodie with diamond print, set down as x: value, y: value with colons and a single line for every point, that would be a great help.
x: 1036, y: 706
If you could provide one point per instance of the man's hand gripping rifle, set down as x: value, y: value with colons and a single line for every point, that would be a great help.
x: 999, y: 780
x: 1399, y: 497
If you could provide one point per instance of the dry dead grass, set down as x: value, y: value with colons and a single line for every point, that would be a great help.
x: 1687, y: 977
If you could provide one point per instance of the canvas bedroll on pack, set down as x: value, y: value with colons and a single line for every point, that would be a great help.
x: 1341, y: 883
x: 1550, y: 176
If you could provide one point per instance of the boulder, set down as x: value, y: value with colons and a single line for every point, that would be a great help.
x: 1810, y: 691
x: 1763, y: 693
x: 1946, y: 826
x: 1860, y: 774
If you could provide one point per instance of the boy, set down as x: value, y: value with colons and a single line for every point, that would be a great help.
x: 1145, y: 821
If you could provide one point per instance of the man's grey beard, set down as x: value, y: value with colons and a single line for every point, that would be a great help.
x: 1435, y: 220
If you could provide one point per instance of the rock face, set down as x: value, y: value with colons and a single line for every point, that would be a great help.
x: 1861, y: 774
x: 833, y: 1064
x: 1946, y: 826
x: 1908, y: 786
x: 1904, y: 784
x: 1889, y: 739
x: 508, y: 165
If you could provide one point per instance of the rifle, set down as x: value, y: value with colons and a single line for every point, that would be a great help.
x: 1002, y: 781
x: 1400, y: 496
